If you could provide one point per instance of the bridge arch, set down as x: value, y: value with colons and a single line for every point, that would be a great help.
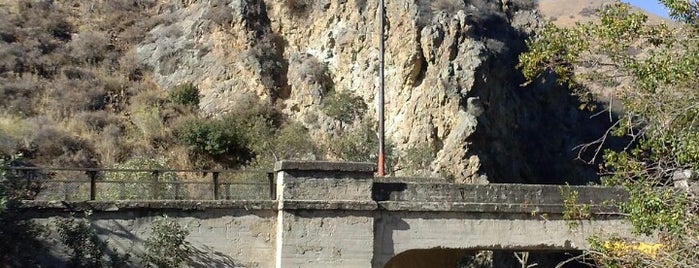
x: 465, y: 258
x: 429, y: 258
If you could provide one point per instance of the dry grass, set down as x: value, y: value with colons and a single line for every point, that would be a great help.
x: 72, y: 92
x: 66, y: 76
x: 568, y: 12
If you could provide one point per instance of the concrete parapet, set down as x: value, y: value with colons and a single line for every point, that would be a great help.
x: 303, y: 180
x: 491, y: 193
x: 307, y: 234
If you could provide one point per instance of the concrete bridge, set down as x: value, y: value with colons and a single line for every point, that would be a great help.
x: 338, y: 215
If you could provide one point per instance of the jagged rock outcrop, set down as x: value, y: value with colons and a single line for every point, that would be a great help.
x: 451, y: 77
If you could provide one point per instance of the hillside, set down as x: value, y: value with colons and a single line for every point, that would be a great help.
x: 568, y: 12
x: 239, y: 84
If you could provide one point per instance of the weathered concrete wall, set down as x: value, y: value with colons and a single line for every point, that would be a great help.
x: 419, y: 215
x: 223, y: 233
x: 327, y: 239
x: 337, y: 215
x: 397, y: 232
x: 326, y: 214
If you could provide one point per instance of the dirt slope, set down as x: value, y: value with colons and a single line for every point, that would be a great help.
x: 568, y: 12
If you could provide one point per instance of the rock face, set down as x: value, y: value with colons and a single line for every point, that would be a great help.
x: 451, y: 78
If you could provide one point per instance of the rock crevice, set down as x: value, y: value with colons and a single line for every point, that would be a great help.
x: 451, y: 77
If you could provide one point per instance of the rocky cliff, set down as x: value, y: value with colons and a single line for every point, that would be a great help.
x: 452, y: 85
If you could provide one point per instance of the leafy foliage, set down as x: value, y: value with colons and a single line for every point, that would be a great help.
x: 86, y: 248
x: 359, y: 144
x: 253, y: 136
x: 572, y: 210
x: 620, y: 253
x: 147, y: 184
x: 655, y: 73
x: 186, y: 94
x: 653, y: 210
x: 167, y: 245
x: 213, y: 137
x: 344, y: 106
x: 417, y: 159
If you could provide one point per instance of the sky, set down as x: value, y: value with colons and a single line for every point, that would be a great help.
x: 652, y: 6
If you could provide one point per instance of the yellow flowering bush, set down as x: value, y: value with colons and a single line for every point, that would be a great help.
x: 621, y: 248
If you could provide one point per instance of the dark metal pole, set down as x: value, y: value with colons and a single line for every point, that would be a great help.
x: 155, y: 185
x: 272, y: 186
x: 214, y: 176
x: 93, y: 184
x: 382, y: 15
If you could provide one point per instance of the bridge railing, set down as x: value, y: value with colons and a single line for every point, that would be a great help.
x: 82, y: 184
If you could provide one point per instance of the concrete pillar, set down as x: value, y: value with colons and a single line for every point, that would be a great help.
x: 325, y: 216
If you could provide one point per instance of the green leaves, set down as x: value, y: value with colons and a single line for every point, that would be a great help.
x: 553, y: 49
x: 186, y: 94
x: 651, y: 209
x: 344, y: 106
x: 167, y: 245
x: 654, y: 71
x: 686, y: 11
x: 85, y: 246
x: 214, y: 137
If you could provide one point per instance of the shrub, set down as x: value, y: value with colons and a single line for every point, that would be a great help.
x: 344, y: 106
x: 417, y: 159
x: 292, y: 141
x: 89, y: 47
x: 140, y: 184
x: 167, y: 245
x: 148, y: 121
x: 20, y: 244
x: 573, y: 212
x: 360, y: 144
x: 46, y: 143
x: 86, y: 248
x: 213, y: 137
x: 186, y: 94
x: 304, y: 67
x: 298, y: 7
x: 96, y: 120
x: 66, y: 97
x: 234, y: 138
x: 448, y: 6
x: 524, y: 4
x: 18, y: 96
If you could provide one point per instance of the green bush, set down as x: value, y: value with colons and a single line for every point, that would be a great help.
x: 213, y: 137
x: 344, y: 106
x: 417, y: 159
x: 659, y: 92
x: 186, y: 94
x: 292, y: 141
x: 360, y: 144
x: 167, y: 245
x: 148, y: 121
x: 233, y: 139
x: 86, y: 248
x: 141, y: 184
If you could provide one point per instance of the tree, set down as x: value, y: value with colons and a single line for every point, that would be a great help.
x: 653, y: 70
